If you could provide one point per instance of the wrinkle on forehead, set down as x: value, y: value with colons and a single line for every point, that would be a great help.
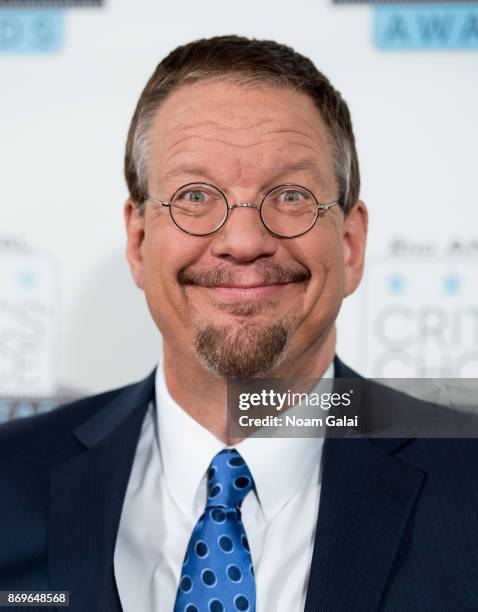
x: 191, y: 143
x: 239, y: 134
x: 265, y: 129
x: 214, y: 123
x: 276, y: 173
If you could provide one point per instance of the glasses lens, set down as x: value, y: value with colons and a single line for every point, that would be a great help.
x: 289, y: 210
x: 198, y: 208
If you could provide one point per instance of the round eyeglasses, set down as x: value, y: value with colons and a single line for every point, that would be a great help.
x: 200, y: 209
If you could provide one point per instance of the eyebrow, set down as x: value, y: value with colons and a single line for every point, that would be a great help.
x: 203, y: 171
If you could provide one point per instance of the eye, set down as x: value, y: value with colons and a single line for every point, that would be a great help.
x: 194, y: 196
x: 291, y: 196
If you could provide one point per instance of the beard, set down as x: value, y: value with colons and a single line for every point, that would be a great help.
x: 245, y: 348
x: 244, y: 351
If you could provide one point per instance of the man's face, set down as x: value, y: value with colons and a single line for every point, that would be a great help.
x: 242, y: 300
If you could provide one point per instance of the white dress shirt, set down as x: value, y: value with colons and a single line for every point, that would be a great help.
x: 167, y: 493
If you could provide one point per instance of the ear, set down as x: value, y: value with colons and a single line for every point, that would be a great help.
x: 354, y: 240
x: 134, y: 222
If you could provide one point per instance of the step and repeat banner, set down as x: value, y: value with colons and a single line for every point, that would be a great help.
x: 71, y: 320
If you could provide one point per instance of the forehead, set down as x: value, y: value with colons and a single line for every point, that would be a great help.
x: 239, y: 133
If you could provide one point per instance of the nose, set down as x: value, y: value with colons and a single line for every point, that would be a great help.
x: 243, y: 237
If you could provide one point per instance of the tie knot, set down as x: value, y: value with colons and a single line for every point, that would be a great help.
x: 229, y: 480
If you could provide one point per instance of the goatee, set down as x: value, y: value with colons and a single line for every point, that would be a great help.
x: 242, y: 351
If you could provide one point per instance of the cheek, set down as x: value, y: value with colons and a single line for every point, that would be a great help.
x: 335, y: 269
x: 161, y: 256
x: 323, y: 255
x: 165, y: 253
x: 156, y: 263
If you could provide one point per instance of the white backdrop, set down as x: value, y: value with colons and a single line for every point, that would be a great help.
x: 70, y: 316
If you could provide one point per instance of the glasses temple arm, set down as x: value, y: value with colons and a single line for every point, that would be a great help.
x: 326, y: 206
x: 166, y: 203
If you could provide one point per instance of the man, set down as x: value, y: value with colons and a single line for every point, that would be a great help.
x: 245, y: 231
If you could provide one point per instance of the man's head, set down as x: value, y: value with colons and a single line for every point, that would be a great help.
x: 244, y: 116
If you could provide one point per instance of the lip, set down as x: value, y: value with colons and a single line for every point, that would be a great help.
x: 237, y: 293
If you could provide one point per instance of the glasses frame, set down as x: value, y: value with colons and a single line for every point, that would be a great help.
x: 321, y: 207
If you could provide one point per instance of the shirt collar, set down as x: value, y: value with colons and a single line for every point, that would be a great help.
x: 279, y: 466
x: 185, y: 446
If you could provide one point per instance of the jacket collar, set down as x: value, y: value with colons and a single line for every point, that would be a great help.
x: 103, y: 422
x: 367, y: 497
x: 86, y: 498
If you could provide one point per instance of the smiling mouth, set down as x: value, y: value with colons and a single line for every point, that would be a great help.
x: 264, y: 282
x: 256, y: 292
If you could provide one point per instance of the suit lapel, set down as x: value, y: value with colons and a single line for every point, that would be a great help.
x: 86, y: 498
x: 367, y: 496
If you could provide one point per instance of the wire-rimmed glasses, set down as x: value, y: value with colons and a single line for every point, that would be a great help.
x: 200, y: 209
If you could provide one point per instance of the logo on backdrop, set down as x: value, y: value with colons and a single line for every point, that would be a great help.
x: 29, y: 332
x: 49, y: 3
x: 426, y: 27
x: 421, y: 312
x: 31, y: 31
x: 423, y: 25
x: 34, y: 26
x: 29, y: 325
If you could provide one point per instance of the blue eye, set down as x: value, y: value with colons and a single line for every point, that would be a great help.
x: 291, y: 196
x: 195, y: 196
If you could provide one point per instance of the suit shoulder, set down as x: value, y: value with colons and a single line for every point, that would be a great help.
x: 43, y: 429
x: 452, y: 454
x: 411, y: 416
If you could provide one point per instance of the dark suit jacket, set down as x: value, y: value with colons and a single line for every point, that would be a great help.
x: 397, y: 528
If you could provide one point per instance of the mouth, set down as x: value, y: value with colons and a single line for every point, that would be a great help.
x: 248, y: 293
x: 265, y: 283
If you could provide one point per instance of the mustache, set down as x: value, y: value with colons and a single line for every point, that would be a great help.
x: 266, y: 273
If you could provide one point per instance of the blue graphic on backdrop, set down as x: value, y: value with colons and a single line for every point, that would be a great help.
x: 396, y: 283
x: 49, y: 3
x: 451, y: 284
x: 19, y: 408
x: 26, y: 279
x: 31, y: 31
x: 425, y: 27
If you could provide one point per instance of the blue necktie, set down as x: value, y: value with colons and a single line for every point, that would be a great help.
x: 217, y: 573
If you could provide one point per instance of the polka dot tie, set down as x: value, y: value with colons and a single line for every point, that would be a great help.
x: 217, y: 573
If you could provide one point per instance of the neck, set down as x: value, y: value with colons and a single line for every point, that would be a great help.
x: 203, y: 395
